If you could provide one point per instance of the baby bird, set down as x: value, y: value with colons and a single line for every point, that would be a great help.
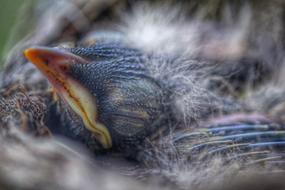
x: 112, y: 100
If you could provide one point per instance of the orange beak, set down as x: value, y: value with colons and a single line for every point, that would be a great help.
x: 55, y: 65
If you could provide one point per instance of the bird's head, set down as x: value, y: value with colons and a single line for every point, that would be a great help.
x: 56, y: 64
x: 109, y: 87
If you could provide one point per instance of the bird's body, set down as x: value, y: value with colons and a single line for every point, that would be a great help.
x: 131, y: 105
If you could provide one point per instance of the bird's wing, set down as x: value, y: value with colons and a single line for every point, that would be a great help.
x: 244, y: 142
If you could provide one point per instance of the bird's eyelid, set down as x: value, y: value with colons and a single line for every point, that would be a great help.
x: 47, y: 54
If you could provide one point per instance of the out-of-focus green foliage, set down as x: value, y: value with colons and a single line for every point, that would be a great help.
x: 11, y: 17
x: 8, y: 15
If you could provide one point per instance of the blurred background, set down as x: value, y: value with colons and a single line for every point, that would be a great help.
x: 10, y: 16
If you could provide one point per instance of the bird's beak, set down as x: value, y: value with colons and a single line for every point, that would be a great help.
x: 55, y: 64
